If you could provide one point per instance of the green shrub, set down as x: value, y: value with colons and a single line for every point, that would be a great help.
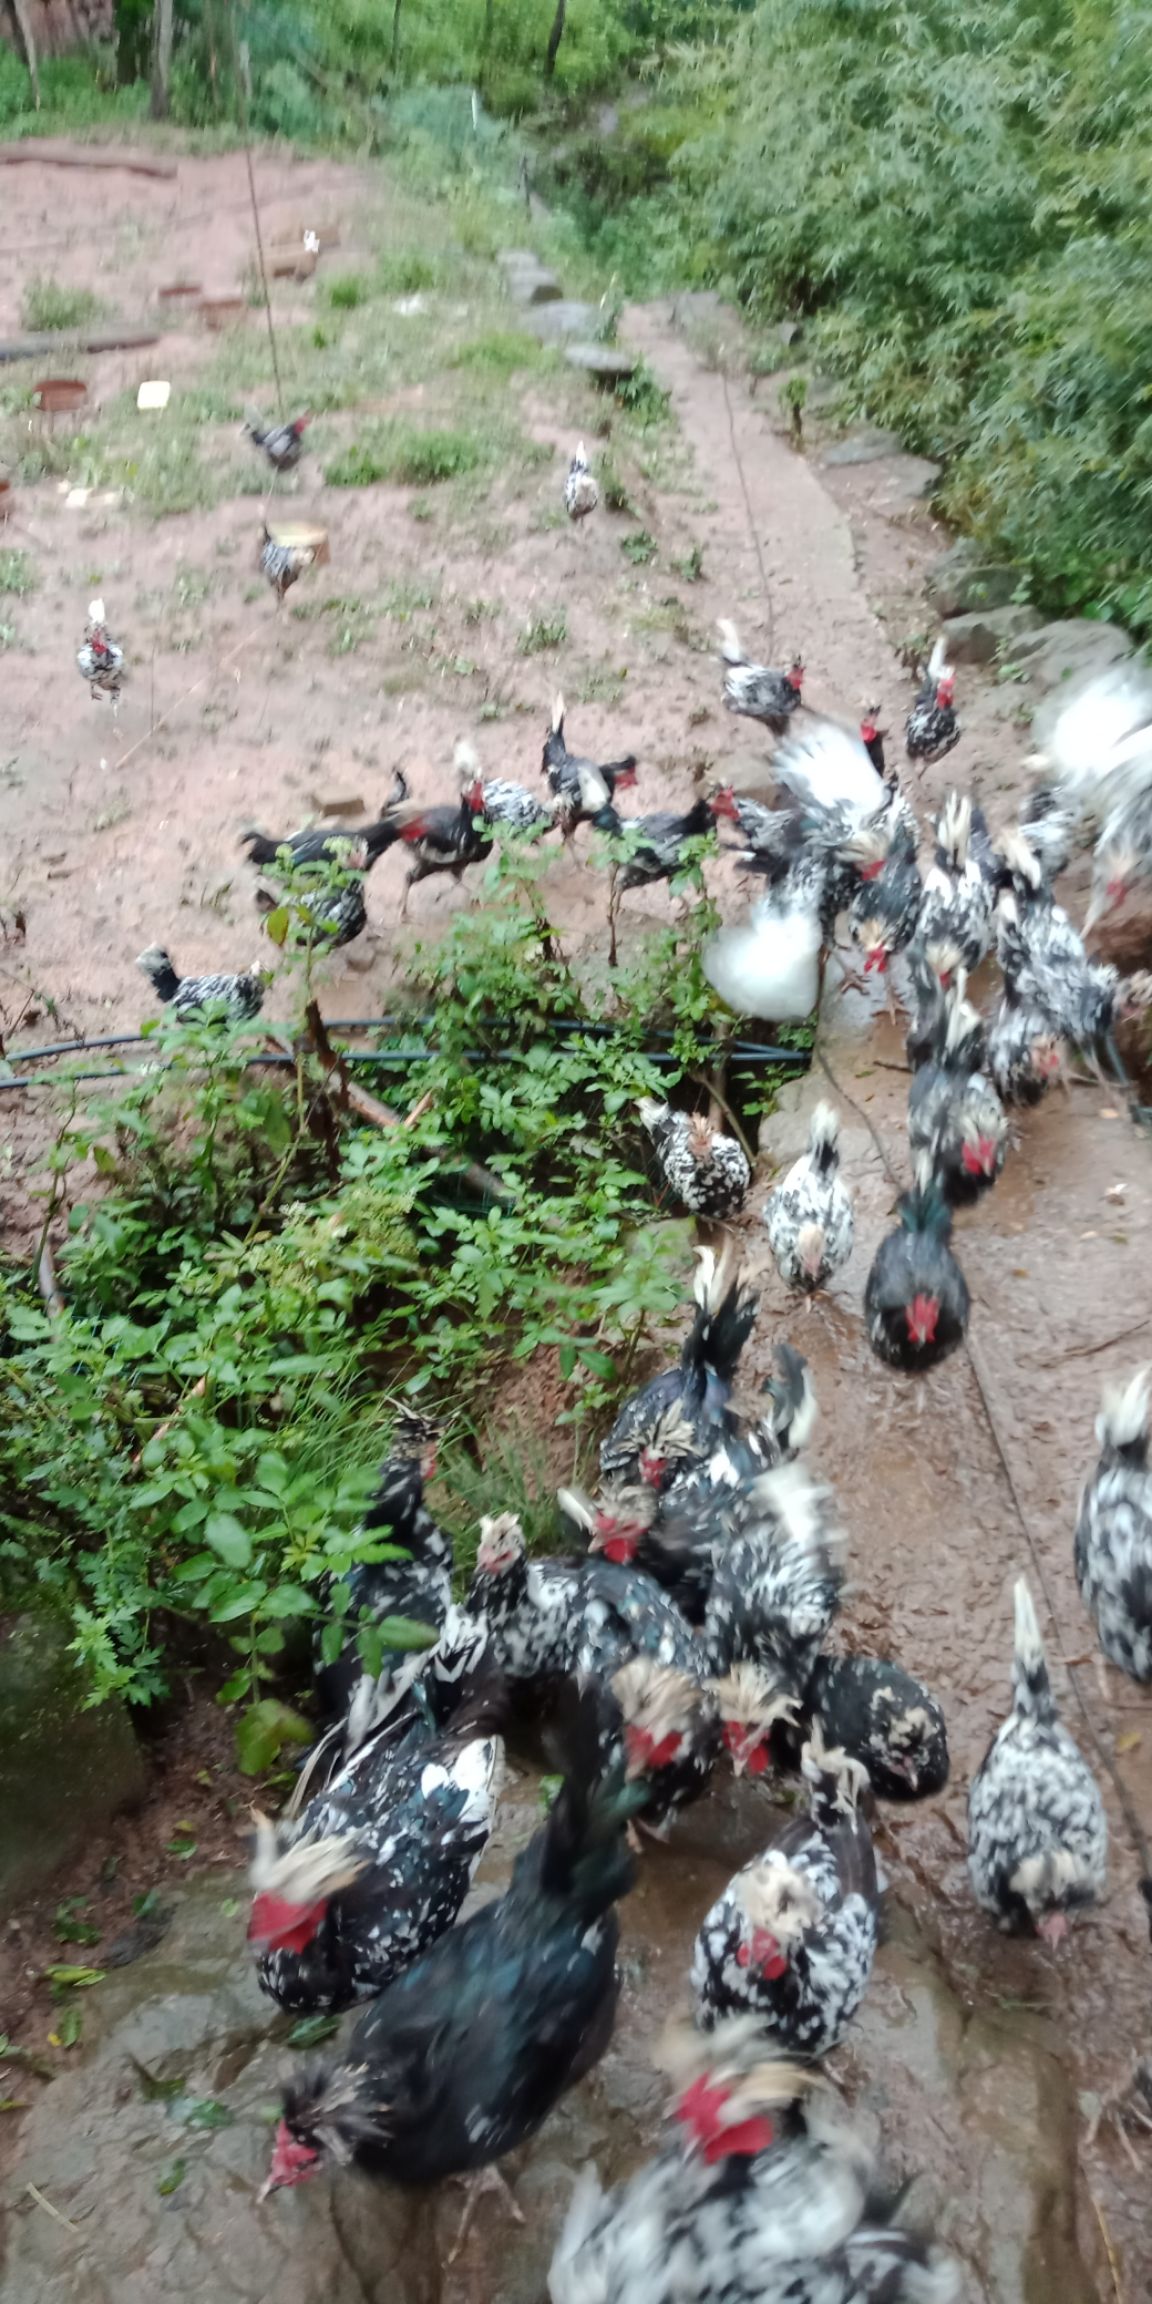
x: 406, y: 456
x: 49, y: 305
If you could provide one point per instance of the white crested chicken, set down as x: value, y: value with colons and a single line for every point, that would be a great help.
x: 1025, y: 1056
x: 776, y: 1583
x: 581, y: 492
x: 584, y: 790
x: 956, y: 1121
x: 932, y: 727
x: 959, y: 894
x: 549, y: 1619
x: 508, y: 807
x: 884, y: 1717
x: 793, y: 1937
x: 754, y: 690
x: 677, y: 1418
x: 234, y: 997
x: 884, y: 913
x: 322, y: 919
x: 1113, y: 1550
x: 671, y: 1736
x: 101, y: 659
x: 707, y: 1172
x: 1046, y: 966
x: 809, y: 1213
x: 916, y: 1301
x: 1037, y: 1834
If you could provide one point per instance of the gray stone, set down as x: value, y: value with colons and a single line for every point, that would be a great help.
x: 554, y: 322
x: 518, y: 260
x: 790, y: 332
x: 1071, y: 650
x: 865, y: 447
x: 964, y: 578
x: 535, y: 287
x: 64, y: 1771
x: 988, y: 633
x: 606, y: 362
x: 700, y: 307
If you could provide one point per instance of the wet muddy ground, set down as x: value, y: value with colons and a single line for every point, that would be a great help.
x: 975, y: 2055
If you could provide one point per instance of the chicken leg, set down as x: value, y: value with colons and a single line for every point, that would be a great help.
x: 475, y: 2187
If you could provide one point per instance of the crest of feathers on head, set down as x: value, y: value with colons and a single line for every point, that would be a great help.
x: 501, y: 1534
x: 300, y: 1871
x: 750, y: 1695
x: 733, y: 2053
x: 658, y: 1698
x: 802, y: 1509
x: 833, y: 1774
x: 329, y: 2106
x: 1019, y: 856
x: 1123, y: 1417
x: 775, y: 1896
x: 673, y: 1435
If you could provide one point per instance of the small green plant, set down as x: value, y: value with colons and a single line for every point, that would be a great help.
x: 690, y: 565
x: 646, y: 400
x: 549, y: 630
x: 406, y: 456
x: 639, y: 548
x: 47, y: 306
x: 17, y: 574
x: 347, y: 291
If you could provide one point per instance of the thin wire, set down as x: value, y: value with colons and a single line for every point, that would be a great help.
x: 240, y: 50
x: 753, y: 530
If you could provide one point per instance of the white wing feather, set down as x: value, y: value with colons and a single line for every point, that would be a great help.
x: 1098, y: 746
x: 827, y: 768
x: 768, y: 965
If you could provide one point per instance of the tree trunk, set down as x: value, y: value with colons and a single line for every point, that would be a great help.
x: 554, y: 38
x: 162, y: 31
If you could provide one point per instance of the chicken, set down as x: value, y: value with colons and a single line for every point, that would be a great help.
x: 444, y: 838
x: 762, y: 2194
x: 464, y: 2055
x: 880, y: 1715
x: 960, y: 889
x: 671, y: 1735
x: 793, y: 1937
x: 916, y: 1299
x: 551, y: 1618
x: 283, y: 564
x: 1047, y: 967
x: 581, y: 493
x: 1095, y: 750
x: 1037, y: 1834
x: 809, y: 1213
x: 379, y: 1862
x: 776, y: 1583
x: 282, y: 444
x: 753, y: 689
x: 872, y: 737
x: 416, y: 1587
x: 235, y: 997
x: 753, y: 1703
x: 956, y: 1121
x: 675, y: 1419
x: 1024, y: 1055
x: 1113, y: 1550
x: 707, y: 1172
x: 885, y: 911
x: 769, y: 964
x: 1049, y: 825
x: 319, y: 919
x: 585, y: 792
x: 932, y: 727
x: 655, y: 851
x: 351, y: 851
x: 101, y: 659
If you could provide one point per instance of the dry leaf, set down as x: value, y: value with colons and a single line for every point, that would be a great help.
x: 1129, y: 1740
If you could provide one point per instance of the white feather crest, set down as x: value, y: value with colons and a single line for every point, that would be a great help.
x: 1123, y: 1415
x: 828, y: 768
x: 304, y: 1869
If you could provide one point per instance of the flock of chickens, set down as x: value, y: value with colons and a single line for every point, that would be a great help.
x: 687, y: 1625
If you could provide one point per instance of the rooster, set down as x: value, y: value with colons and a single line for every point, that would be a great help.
x: 351, y: 851
x: 236, y: 997
x: 552, y: 1618
x: 1113, y: 1550
x: 444, y: 838
x: 413, y: 1579
x: 676, y: 1417
x: 379, y: 1862
x: 916, y: 1299
x: 955, y: 1118
x: 320, y: 919
x: 960, y: 889
x: 707, y: 1172
x: 585, y: 793
x: 101, y: 659
x: 809, y: 1213
x: 932, y: 727
x: 1037, y: 1835
x: 283, y: 564
x: 755, y: 691
x: 793, y: 1937
x: 762, y: 2194
x: 880, y: 1715
x: 465, y: 2054
x: 776, y: 1584
x: 655, y: 851
x: 282, y: 444
x: 581, y: 494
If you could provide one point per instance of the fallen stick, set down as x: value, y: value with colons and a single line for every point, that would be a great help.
x: 33, y: 148
x: 42, y: 346
x: 47, y: 1282
x: 369, y: 1107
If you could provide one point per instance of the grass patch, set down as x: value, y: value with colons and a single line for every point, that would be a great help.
x: 405, y: 272
x: 407, y: 457
x: 639, y: 549
x: 17, y: 575
x: 347, y: 292
x: 47, y: 306
x: 499, y: 352
x: 544, y: 632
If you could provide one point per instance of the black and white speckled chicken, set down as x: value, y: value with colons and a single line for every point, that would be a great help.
x: 1096, y: 758
x: 467, y: 2051
x: 678, y: 1416
x: 654, y: 849
x: 1045, y: 962
x: 1113, y: 1550
x: 959, y: 895
x: 1037, y: 1834
x: 932, y: 727
x: 416, y: 1587
x: 754, y: 690
x: 237, y: 997
x: 283, y: 564
x: 707, y: 1172
x: 956, y: 1121
x: 885, y: 910
x: 809, y: 1212
x: 671, y: 1736
x: 321, y: 919
x: 378, y: 1863
x: 882, y: 1716
x: 916, y: 1300
x: 756, y: 1708
x: 282, y: 444
x: 776, y: 1583
x: 793, y: 1937
x: 548, y: 1619
x: 763, y: 2194
x: 1050, y: 824
x: 101, y: 659
x: 581, y: 493
x: 355, y: 850
x: 585, y: 790
x: 444, y: 838
x: 1024, y: 1054
x: 508, y: 807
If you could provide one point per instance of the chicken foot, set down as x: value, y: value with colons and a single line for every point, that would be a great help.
x: 484, y: 2180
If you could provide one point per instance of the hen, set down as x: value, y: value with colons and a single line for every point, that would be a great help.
x: 581, y: 493
x: 754, y: 1704
x: 776, y: 1584
x: 763, y: 2194
x: 956, y: 1121
x: 677, y: 1417
x: 444, y: 838
x: 960, y: 889
x: 1113, y: 1549
x: 1037, y: 1834
x: 236, y: 997
x: 585, y: 792
x: 769, y: 964
x: 379, y: 1862
x: 753, y: 689
x: 547, y: 1618
x: 1024, y: 1054
x: 809, y: 1213
x: 464, y: 2055
x: 885, y: 911
x: 705, y: 1170
x: 1046, y: 966
x: 282, y: 444
x: 351, y: 851
x: 916, y: 1299
x: 879, y: 1714
x: 412, y: 1579
x: 320, y: 919
x: 793, y: 1937
x: 932, y: 727
x: 283, y: 564
x: 101, y: 659
x: 671, y: 1735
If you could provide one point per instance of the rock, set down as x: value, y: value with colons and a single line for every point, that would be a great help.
x: 963, y: 578
x: 864, y: 447
x: 790, y: 332
x: 1071, y: 650
x: 534, y: 287
x: 64, y: 1771
x: 987, y: 633
x: 518, y: 260
x: 606, y: 362
x: 699, y: 307
x: 563, y: 318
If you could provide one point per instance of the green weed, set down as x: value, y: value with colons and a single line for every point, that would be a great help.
x: 17, y: 574
x: 544, y: 632
x: 406, y: 456
x: 47, y: 306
